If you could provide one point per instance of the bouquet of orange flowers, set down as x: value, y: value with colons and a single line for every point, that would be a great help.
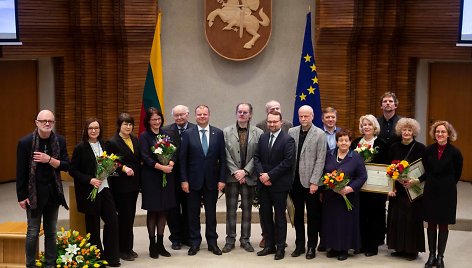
x: 73, y: 250
x: 106, y: 165
x: 398, y: 170
x: 366, y: 151
x: 164, y: 150
x: 336, y: 181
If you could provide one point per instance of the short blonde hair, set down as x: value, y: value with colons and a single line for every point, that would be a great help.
x: 451, y: 131
x: 372, y: 120
x: 407, y: 122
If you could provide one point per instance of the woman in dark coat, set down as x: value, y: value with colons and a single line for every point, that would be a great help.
x: 125, y: 186
x: 405, y: 233
x: 157, y: 199
x: 443, y: 168
x: 83, y: 169
x: 340, y: 227
x: 372, y: 205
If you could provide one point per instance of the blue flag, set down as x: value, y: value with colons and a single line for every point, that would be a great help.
x: 308, y: 90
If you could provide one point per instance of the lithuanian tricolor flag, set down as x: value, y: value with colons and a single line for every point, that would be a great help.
x: 153, y: 94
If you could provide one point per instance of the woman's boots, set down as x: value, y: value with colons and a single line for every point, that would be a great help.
x: 442, y: 241
x: 160, y: 246
x: 153, y: 248
x: 432, y: 237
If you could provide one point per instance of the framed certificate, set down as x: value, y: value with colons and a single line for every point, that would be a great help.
x: 415, y: 171
x: 377, y: 179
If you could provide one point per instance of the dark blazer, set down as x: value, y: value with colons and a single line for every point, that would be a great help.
x: 279, y: 163
x: 198, y: 169
x: 124, y: 183
x: 23, y: 158
x: 440, y: 189
x: 83, y: 168
x: 173, y: 131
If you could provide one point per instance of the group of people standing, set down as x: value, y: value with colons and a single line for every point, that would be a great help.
x: 273, y: 160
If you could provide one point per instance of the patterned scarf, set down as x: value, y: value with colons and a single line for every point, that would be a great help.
x: 32, y: 191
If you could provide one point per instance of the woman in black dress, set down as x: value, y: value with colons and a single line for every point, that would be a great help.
x: 405, y: 232
x: 157, y: 199
x: 125, y: 186
x: 83, y: 169
x: 372, y: 205
x: 340, y: 227
x: 443, y: 168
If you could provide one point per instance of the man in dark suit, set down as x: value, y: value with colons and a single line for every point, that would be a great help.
x: 274, y: 160
x: 202, y: 174
x: 178, y: 218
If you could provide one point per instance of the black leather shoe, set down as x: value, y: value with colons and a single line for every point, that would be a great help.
x: 332, y: 253
x: 342, y: 255
x: 193, y: 250
x: 126, y: 257
x: 370, y: 253
x: 398, y: 254
x: 133, y: 253
x: 280, y: 254
x: 114, y: 264
x: 310, y: 253
x: 247, y: 247
x: 228, y: 247
x: 176, y: 246
x: 266, y: 251
x: 215, y: 250
x: 298, y: 251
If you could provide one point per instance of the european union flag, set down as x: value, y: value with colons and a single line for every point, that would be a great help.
x: 308, y: 90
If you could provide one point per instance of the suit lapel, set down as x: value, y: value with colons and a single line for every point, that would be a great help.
x: 196, y: 137
x: 124, y: 148
x: 309, y: 137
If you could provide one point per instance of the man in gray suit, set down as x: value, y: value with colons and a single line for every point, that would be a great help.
x: 240, y: 141
x: 310, y: 146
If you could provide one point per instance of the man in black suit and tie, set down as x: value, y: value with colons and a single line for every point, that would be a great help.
x: 178, y: 217
x: 274, y: 161
x: 202, y: 174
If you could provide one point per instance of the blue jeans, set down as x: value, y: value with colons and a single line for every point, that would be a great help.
x: 49, y: 214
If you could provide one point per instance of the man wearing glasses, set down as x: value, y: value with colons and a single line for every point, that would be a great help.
x: 240, y: 141
x: 41, y: 156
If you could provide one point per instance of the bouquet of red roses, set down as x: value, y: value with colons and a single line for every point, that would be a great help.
x: 164, y: 150
x: 336, y: 181
x: 398, y: 170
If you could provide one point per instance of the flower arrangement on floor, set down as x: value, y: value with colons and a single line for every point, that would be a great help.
x: 398, y: 170
x: 366, y: 151
x: 336, y: 181
x: 73, y: 250
x: 164, y: 150
x: 106, y: 165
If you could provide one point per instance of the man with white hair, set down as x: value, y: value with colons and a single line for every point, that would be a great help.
x: 41, y: 156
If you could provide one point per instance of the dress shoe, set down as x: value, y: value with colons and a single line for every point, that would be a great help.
x: 332, y: 253
x: 133, y: 253
x: 176, y: 246
x: 266, y: 251
x: 193, y: 250
x: 262, y: 243
x: 228, y: 247
x: 397, y: 254
x: 215, y: 249
x: 298, y: 251
x: 342, y: 255
x: 310, y: 253
x: 370, y: 253
x: 114, y: 264
x: 247, y: 247
x: 126, y: 257
x: 280, y: 254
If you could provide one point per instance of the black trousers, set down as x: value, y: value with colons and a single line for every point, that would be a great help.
x: 177, y: 220
x: 194, y: 199
x: 273, y: 202
x: 126, y: 209
x: 301, y: 196
x: 107, y: 213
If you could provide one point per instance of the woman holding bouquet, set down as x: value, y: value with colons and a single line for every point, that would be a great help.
x: 443, y: 167
x: 340, y: 226
x: 125, y: 186
x: 405, y: 233
x: 373, y: 149
x: 158, y: 197
x: 84, y: 169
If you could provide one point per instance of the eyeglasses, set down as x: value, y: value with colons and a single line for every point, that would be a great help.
x: 242, y: 112
x: 44, y: 122
x: 156, y: 119
x: 128, y: 124
x: 180, y: 115
x: 94, y: 128
x: 273, y: 122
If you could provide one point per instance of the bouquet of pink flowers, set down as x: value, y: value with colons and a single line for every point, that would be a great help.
x: 106, y: 165
x: 336, y: 181
x: 366, y: 151
x: 164, y: 150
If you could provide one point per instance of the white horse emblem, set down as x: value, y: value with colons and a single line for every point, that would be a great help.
x: 238, y: 17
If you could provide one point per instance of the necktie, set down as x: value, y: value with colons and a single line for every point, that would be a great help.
x: 181, y: 130
x: 271, y: 141
x: 204, y: 142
